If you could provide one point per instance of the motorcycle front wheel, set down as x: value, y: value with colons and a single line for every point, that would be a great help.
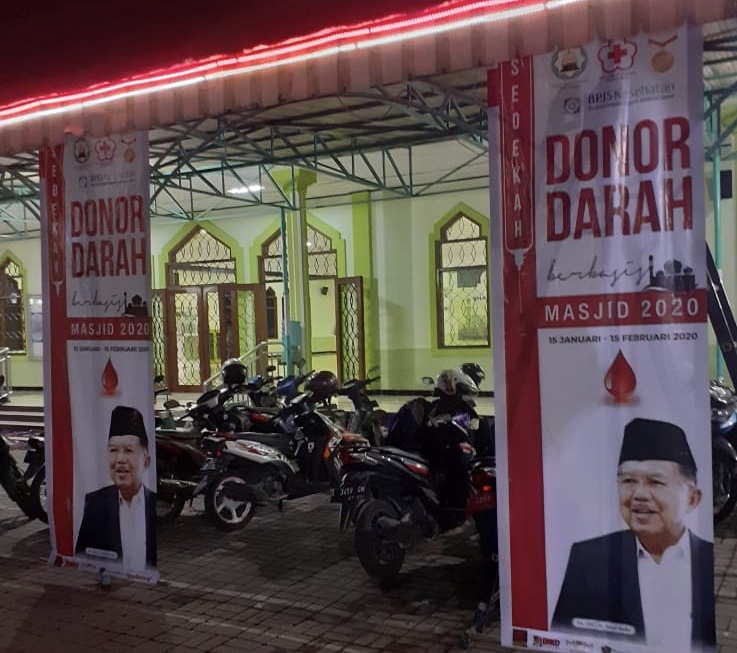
x: 226, y: 513
x: 724, y: 479
x: 379, y: 554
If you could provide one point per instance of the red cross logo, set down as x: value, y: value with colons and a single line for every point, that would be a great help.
x: 617, y: 55
x: 105, y: 149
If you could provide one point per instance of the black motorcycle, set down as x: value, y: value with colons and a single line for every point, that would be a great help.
x: 179, y: 460
x: 367, y: 418
x: 723, y: 448
x: 397, y: 498
x: 247, y: 469
x: 14, y: 482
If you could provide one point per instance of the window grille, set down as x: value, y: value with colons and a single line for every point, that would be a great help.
x: 12, y: 302
x: 461, y: 266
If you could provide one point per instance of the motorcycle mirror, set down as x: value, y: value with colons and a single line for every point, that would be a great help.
x: 428, y: 380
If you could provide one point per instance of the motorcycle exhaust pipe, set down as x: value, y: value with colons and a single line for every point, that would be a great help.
x: 405, y: 533
x: 243, y: 493
x: 389, y: 525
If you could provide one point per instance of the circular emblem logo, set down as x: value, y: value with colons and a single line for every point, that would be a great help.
x: 569, y: 63
x: 81, y: 150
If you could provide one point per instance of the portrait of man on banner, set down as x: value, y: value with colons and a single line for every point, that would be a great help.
x: 652, y: 582
x: 119, y: 522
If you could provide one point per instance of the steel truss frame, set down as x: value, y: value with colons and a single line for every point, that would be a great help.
x: 368, y: 138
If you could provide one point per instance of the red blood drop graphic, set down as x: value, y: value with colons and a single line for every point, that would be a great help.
x: 109, y: 379
x: 620, y: 380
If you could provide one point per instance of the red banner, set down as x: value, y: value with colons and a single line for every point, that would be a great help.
x: 100, y: 440
x: 599, y: 324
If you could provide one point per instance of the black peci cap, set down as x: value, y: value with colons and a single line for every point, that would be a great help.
x: 125, y: 420
x: 650, y: 439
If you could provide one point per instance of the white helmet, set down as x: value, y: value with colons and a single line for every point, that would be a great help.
x: 454, y: 382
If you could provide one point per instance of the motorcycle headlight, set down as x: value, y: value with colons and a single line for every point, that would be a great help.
x: 722, y: 416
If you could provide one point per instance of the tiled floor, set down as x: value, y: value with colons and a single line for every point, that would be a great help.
x: 288, y: 582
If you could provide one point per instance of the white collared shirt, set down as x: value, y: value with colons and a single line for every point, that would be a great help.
x: 665, y: 593
x: 133, y: 530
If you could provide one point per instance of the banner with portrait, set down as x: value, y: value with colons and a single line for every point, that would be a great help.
x: 98, y: 384
x: 600, y: 352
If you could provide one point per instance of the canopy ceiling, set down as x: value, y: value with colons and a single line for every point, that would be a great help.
x: 395, y: 106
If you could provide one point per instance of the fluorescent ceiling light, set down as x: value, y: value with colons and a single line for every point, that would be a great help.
x: 243, y: 190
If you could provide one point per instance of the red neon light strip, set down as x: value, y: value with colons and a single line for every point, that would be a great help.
x: 350, y: 37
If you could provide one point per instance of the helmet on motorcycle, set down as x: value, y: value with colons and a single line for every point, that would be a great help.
x: 322, y: 385
x: 455, y: 382
x: 475, y: 371
x: 233, y: 372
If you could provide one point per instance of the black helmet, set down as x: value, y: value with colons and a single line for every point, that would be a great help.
x: 475, y: 371
x: 322, y: 385
x: 233, y: 372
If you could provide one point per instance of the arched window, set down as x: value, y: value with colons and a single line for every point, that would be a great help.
x: 201, y: 260
x: 322, y: 258
x: 461, y: 264
x: 12, y: 301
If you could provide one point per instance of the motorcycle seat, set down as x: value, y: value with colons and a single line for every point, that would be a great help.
x: 412, y: 455
x: 178, y: 433
x: 282, y: 442
x: 269, y: 410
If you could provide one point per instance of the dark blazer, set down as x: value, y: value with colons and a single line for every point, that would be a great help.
x: 100, y: 527
x: 602, y: 583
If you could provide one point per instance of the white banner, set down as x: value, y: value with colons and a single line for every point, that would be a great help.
x: 100, y: 441
x: 600, y: 347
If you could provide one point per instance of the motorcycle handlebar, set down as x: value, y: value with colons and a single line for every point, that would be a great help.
x: 357, y: 384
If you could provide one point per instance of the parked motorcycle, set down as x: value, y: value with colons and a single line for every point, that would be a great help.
x: 179, y: 461
x: 248, y: 469
x: 723, y: 448
x: 35, y: 475
x: 396, y: 499
x: 13, y: 481
x: 397, y: 496
x: 367, y: 418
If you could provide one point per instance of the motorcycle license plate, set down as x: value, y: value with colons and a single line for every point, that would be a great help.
x: 479, y: 502
x: 347, y: 493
